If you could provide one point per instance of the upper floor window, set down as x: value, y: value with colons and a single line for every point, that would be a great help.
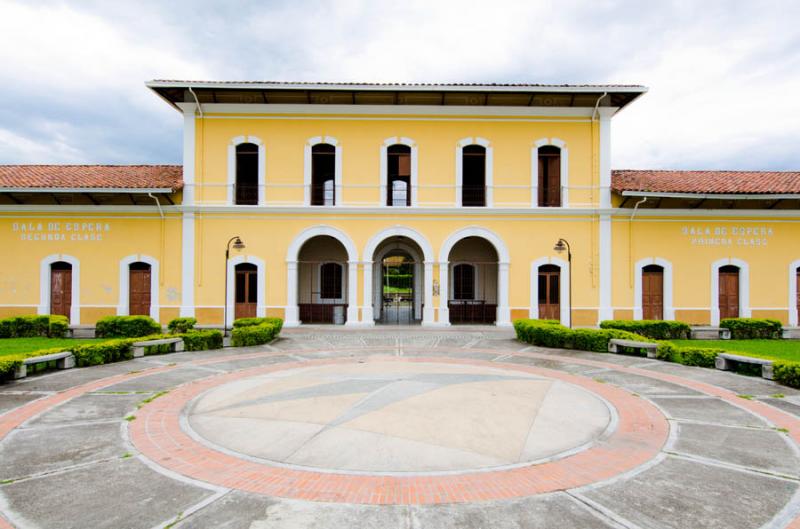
x: 398, y: 177
x: 549, y: 176
x: 246, y: 174
x: 323, y: 175
x: 473, y: 184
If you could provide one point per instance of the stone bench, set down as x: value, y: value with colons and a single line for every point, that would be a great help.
x: 139, y: 347
x: 790, y: 333
x: 710, y: 333
x: 650, y: 348
x: 64, y: 360
x: 727, y: 362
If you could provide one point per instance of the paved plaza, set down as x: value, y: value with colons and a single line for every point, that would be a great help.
x: 398, y: 428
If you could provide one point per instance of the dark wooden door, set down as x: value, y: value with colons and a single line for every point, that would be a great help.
x: 246, y: 301
x: 139, y: 291
x: 728, y: 292
x: 549, y: 176
x: 61, y: 290
x: 653, y: 293
x: 549, y: 293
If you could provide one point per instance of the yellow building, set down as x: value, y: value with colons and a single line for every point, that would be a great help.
x: 379, y: 203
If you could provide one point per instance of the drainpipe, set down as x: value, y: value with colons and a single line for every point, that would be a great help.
x: 592, y: 195
x: 594, y: 112
x: 160, y: 211
x: 630, y: 239
x: 200, y: 108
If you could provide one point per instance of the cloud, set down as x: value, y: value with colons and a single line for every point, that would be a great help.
x: 722, y: 74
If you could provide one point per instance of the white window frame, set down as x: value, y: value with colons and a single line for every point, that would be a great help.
x: 483, y: 142
x: 669, y: 309
x: 564, y: 160
x: 337, y: 174
x: 44, y: 285
x: 563, y: 288
x: 744, y: 287
x: 384, y: 168
x: 262, y: 169
x: 123, y: 306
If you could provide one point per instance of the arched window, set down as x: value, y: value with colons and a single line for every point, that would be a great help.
x: 473, y: 185
x: 729, y: 291
x: 398, y: 177
x: 463, y: 282
x: 61, y: 288
x: 246, y: 291
x: 247, y: 174
x: 653, y: 292
x: 549, y: 292
x: 323, y: 174
x: 330, y: 279
x: 139, y: 288
x: 549, y: 176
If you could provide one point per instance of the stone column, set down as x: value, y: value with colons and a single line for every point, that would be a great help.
x: 291, y: 312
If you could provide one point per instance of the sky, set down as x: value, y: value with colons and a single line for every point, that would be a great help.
x: 723, y: 76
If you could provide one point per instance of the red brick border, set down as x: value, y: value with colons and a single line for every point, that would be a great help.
x: 642, y: 431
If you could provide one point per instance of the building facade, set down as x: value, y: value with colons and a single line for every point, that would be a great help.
x: 360, y: 204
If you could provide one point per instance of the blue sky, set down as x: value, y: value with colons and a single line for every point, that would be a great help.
x: 724, y: 76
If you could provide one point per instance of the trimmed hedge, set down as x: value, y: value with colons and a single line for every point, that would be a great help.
x: 752, y: 328
x: 250, y: 333
x: 32, y: 326
x: 689, y: 356
x: 181, y: 325
x: 786, y: 373
x: 200, y: 340
x: 126, y: 327
x: 546, y: 333
x: 655, y: 329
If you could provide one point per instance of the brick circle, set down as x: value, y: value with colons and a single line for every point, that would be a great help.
x: 157, y: 433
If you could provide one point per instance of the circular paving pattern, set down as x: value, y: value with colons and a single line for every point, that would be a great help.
x: 400, y: 417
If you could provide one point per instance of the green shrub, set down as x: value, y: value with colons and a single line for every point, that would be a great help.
x: 9, y: 364
x: 181, y: 325
x: 655, y: 329
x: 200, y: 340
x: 32, y: 326
x: 787, y: 373
x: 752, y: 328
x: 689, y: 356
x: 126, y: 327
x: 104, y: 352
x: 243, y: 336
x: 250, y: 322
x: 548, y: 333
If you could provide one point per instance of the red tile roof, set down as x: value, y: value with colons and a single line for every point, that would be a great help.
x: 91, y: 176
x: 712, y: 182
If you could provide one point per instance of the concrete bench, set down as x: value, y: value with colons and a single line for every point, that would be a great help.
x: 790, y: 333
x: 614, y: 344
x: 710, y: 333
x: 64, y: 360
x: 727, y: 362
x: 139, y: 347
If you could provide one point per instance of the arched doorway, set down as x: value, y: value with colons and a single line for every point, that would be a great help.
x: 398, y: 282
x: 473, y: 281
x: 61, y: 288
x: 322, y: 281
x: 245, y: 291
x: 139, y: 289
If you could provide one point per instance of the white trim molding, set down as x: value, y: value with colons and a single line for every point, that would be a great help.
x: 564, y: 169
x: 606, y: 113
x: 563, y: 288
x: 123, y: 308
x: 337, y: 176
x: 367, y: 310
x: 793, y: 316
x: 292, y: 309
x: 489, y: 181
x: 744, y: 287
x: 262, y: 169
x: 606, y: 310
x: 669, y: 309
x: 44, y: 285
x: 414, y: 179
x: 187, y: 265
x: 261, y: 279
x: 503, y: 262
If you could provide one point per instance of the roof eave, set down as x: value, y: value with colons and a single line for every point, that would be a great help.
x: 712, y: 196
x: 106, y: 190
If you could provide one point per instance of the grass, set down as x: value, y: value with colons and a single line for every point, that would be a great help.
x: 10, y: 346
x: 770, y: 349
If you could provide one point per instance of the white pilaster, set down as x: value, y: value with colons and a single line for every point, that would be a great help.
x: 606, y: 311
x: 352, y: 293
x: 291, y: 313
x: 427, y: 309
x: 444, y: 281
x: 367, y: 312
x: 187, y: 265
x: 605, y: 155
x: 189, y: 133
x: 503, y: 310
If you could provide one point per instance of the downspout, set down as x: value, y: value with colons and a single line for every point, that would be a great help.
x: 630, y: 240
x: 199, y: 181
x: 595, y: 170
x: 163, y: 237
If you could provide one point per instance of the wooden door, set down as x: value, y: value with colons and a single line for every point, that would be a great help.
x: 653, y: 293
x: 728, y: 292
x: 139, y: 290
x: 549, y: 176
x: 61, y: 289
x: 549, y: 293
x: 246, y: 301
